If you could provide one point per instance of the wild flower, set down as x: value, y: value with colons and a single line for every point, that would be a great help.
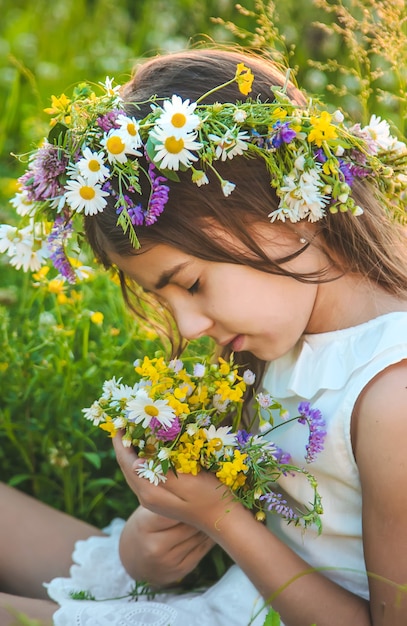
x: 187, y: 417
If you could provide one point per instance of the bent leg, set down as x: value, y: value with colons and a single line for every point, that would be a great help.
x: 11, y: 606
x: 36, y: 543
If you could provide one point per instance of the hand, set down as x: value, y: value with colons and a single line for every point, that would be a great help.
x: 160, y: 550
x: 201, y: 501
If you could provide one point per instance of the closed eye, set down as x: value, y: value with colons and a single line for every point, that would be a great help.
x: 194, y: 288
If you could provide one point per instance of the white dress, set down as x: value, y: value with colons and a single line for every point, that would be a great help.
x: 329, y: 370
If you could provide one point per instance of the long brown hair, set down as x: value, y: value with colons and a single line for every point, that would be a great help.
x: 371, y: 244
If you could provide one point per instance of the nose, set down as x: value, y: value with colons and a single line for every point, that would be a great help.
x: 192, y: 323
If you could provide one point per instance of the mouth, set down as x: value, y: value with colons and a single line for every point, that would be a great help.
x: 237, y: 343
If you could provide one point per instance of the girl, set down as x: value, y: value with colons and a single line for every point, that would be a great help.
x: 291, y: 260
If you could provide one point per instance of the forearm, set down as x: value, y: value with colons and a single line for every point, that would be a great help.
x: 11, y: 606
x: 282, y: 577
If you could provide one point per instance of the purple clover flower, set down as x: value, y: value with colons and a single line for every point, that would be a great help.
x: 165, y: 434
x: 317, y: 432
x: 283, y: 134
x: 276, y: 503
x: 108, y: 121
x: 60, y: 232
x: 41, y: 180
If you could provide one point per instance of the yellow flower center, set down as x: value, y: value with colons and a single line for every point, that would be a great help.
x: 87, y: 193
x: 131, y: 129
x: 94, y: 165
x: 178, y: 120
x: 115, y: 145
x: 174, y: 146
x: 149, y: 450
x: 217, y: 443
x: 151, y: 410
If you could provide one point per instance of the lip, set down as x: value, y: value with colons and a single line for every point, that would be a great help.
x: 237, y: 343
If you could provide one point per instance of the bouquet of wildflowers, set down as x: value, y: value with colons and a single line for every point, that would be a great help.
x: 174, y: 416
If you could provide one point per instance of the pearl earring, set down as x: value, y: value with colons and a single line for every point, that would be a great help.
x: 303, y: 240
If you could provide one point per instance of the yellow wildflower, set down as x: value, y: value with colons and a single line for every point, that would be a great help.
x: 109, y: 426
x: 56, y: 285
x: 231, y: 473
x: 322, y: 129
x: 224, y: 367
x: 61, y: 109
x: 97, y: 318
x: 244, y: 78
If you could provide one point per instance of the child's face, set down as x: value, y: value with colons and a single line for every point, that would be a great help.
x: 234, y: 304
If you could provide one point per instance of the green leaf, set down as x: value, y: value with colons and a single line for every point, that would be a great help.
x: 272, y: 618
x: 57, y: 133
x: 93, y: 458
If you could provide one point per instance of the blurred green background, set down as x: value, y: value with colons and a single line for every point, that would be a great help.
x: 55, y: 354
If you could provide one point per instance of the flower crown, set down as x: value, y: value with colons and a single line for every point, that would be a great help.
x: 94, y: 147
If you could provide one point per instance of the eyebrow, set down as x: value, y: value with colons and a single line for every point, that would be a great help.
x: 167, y: 275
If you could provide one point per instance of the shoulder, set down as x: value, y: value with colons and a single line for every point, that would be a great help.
x: 380, y: 445
x: 380, y: 414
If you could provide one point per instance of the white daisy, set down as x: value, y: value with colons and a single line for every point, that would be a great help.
x: 116, y: 146
x: 130, y: 131
x: 82, y: 196
x: 8, y: 237
x: 178, y: 118
x: 301, y: 197
x: 95, y: 414
x: 154, y: 473
x: 109, y: 387
x: 25, y: 248
x: 379, y: 131
x: 142, y: 408
x: 223, y: 433
x: 83, y: 272
x: 108, y: 86
x: 219, y: 404
x: 92, y: 167
x: 22, y: 204
x: 172, y: 151
x: 230, y: 144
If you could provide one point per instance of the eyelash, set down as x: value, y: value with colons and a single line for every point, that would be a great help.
x: 194, y: 288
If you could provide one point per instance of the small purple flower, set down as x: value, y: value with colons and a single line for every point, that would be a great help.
x: 258, y: 139
x: 282, y: 457
x: 276, y: 503
x: 60, y: 232
x: 108, y: 121
x: 136, y: 215
x: 165, y: 434
x: 242, y: 438
x: 158, y: 197
x: 283, y: 134
x: 41, y: 180
x: 347, y: 172
x: 320, y: 155
x: 317, y: 432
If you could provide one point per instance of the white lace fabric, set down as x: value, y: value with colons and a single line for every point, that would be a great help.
x: 97, y: 570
